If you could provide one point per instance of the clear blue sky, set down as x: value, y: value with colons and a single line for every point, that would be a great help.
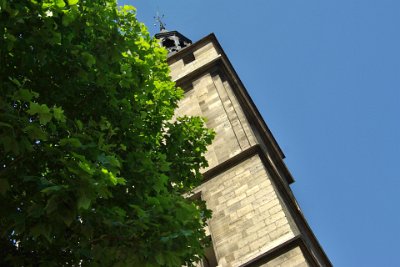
x: 326, y: 77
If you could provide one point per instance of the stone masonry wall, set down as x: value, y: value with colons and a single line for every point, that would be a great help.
x: 292, y: 258
x: 214, y: 100
x: 248, y: 216
x: 202, y: 56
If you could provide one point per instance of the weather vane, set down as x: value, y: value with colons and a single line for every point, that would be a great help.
x: 159, y: 21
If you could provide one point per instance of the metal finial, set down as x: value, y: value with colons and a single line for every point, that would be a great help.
x: 159, y: 21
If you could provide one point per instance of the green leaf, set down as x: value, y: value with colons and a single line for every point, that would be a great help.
x: 128, y: 8
x: 42, y: 111
x: 84, y: 201
x: 4, y: 186
x: 121, y: 180
x: 139, y: 211
x: 75, y: 142
x: 34, y: 108
x: 41, y: 229
x: 35, y: 132
x: 3, y: 124
x: 60, y: 3
x: 72, y: 2
x: 89, y: 59
x: 38, y: 230
x: 86, y: 167
x: 79, y: 124
x: 9, y: 144
x: 13, y: 80
x: 52, y: 204
x: 55, y: 38
x: 45, y: 118
x: 160, y: 258
x: 51, y: 189
x: 109, y: 160
x: 58, y: 113
x: 25, y: 95
x: 68, y: 217
x: 68, y: 17
x: 160, y: 183
x: 35, y: 210
x: 25, y: 144
x: 111, y: 176
x: 88, y: 144
x: 9, y: 40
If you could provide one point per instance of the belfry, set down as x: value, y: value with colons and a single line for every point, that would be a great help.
x: 256, y: 219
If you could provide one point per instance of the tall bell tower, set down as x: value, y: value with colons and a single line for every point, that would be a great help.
x: 256, y: 219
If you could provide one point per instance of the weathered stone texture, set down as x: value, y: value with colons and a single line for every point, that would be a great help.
x: 292, y: 258
x: 202, y: 56
x: 214, y: 100
x: 248, y: 216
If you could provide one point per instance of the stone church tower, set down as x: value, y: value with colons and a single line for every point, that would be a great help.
x: 256, y: 219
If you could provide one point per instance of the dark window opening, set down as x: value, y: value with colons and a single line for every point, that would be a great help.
x: 209, y: 260
x: 168, y: 43
x: 188, y: 58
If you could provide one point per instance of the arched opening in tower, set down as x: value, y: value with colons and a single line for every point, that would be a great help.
x: 168, y: 43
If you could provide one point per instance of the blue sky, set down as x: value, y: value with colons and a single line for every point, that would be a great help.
x: 325, y: 75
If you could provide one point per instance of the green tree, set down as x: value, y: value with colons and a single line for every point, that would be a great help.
x: 92, y: 170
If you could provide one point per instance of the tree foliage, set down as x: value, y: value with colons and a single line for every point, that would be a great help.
x: 92, y: 168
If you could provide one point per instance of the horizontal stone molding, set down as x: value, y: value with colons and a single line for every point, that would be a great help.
x: 281, y: 249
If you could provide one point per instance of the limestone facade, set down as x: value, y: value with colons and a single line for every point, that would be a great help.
x: 256, y: 220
